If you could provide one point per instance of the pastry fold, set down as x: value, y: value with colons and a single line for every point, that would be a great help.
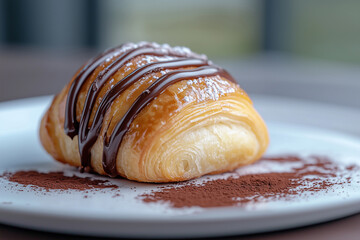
x: 200, y: 122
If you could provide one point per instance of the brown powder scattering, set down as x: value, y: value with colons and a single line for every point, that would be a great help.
x: 56, y: 181
x: 351, y: 167
x: 314, y: 175
x: 116, y: 195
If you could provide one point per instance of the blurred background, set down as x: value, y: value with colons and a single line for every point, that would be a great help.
x: 306, y: 49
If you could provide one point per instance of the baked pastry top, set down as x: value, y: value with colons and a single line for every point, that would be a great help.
x: 153, y: 113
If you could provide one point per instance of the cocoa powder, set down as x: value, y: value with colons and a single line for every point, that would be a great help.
x: 315, y: 174
x: 56, y: 181
x: 307, y: 175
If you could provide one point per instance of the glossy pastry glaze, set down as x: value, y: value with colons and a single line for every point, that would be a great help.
x: 126, y: 101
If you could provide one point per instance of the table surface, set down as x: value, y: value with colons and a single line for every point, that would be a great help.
x: 26, y: 73
x: 346, y: 228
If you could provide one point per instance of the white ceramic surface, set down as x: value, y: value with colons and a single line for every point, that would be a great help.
x: 127, y: 216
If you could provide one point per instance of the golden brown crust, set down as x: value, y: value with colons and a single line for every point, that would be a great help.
x: 194, y: 127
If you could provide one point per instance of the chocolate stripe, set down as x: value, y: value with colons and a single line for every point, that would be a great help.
x: 71, y: 125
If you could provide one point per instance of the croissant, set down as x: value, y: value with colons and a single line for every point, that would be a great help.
x: 153, y: 113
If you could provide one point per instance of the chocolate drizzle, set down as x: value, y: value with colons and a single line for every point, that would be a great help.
x: 198, y: 66
x: 71, y: 125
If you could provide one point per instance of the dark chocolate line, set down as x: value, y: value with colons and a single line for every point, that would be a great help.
x: 71, y: 125
x: 88, y: 136
x: 112, y: 144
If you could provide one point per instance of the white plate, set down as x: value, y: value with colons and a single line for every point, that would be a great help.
x: 126, y: 216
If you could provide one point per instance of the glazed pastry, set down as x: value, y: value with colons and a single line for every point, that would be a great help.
x: 153, y: 113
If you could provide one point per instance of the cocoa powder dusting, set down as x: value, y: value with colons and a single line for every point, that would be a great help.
x: 313, y: 175
x: 56, y: 181
x: 302, y: 175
